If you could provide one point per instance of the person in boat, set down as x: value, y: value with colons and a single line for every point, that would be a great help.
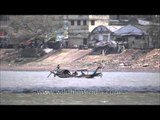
x: 94, y: 74
x: 82, y: 73
x: 64, y: 73
x: 74, y: 74
x: 59, y: 71
x: 55, y: 71
x: 57, y: 68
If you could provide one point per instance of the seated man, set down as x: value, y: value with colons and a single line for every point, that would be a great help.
x: 57, y: 69
x: 75, y: 73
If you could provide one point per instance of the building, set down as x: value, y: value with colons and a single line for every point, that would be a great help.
x: 3, y: 30
x: 102, y: 33
x: 133, y: 36
x: 80, y: 27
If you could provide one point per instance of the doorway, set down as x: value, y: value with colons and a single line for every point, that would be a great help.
x: 85, y: 41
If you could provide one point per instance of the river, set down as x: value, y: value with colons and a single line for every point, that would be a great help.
x: 114, y: 88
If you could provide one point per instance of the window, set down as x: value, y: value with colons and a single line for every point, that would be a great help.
x: 118, y: 39
x: 4, y: 17
x: 78, y: 22
x: 138, y: 37
x: 84, y: 22
x: 72, y: 22
x: 84, y: 41
x: 92, y: 22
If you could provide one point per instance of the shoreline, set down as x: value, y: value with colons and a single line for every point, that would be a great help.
x: 48, y: 68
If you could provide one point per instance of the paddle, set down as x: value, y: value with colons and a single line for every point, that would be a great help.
x: 49, y: 74
x: 52, y: 71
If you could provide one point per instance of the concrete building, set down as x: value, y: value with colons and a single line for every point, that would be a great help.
x: 3, y: 30
x: 81, y: 25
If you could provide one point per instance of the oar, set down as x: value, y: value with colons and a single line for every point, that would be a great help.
x: 49, y: 74
x: 101, y: 75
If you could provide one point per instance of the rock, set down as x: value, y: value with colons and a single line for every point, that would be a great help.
x: 89, y: 64
x: 12, y: 61
x: 145, y: 65
x: 122, y: 64
x: 18, y: 59
x: 47, y: 50
x: 127, y: 64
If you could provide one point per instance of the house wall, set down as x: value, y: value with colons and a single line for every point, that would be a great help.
x: 4, y: 25
x: 98, y: 36
x: 76, y: 33
x: 75, y: 42
x: 99, y: 20
x: 138, y: 43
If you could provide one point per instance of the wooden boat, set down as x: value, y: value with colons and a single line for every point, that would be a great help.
x: 64, y: 73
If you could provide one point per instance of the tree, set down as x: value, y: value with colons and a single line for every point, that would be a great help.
x: 27, y: 26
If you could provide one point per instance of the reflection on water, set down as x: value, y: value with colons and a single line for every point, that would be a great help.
x: 80, y: 99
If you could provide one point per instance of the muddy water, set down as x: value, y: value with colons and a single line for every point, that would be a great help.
x: 80, y: 99
x: 34, y: 88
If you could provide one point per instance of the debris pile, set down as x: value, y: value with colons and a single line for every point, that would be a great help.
x: 150, y: 59
x: 8, y: 55
x: 128, y: 59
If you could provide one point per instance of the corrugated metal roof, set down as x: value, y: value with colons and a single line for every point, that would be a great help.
x: 102, y: 29
x: 114, y: 28
x: 129, y: 30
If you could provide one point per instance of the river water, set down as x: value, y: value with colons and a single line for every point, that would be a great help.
x: 114, y: 88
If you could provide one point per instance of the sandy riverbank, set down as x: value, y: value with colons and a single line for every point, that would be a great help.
x: 130, y: 60
x: 71, y: 68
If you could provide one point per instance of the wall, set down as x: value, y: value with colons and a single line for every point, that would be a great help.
x: 76, y: 33
x: 75, y: 42
x: 138, y: 43
x: 99, y: 20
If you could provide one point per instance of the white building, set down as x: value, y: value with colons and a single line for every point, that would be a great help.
x: 80, y: 27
